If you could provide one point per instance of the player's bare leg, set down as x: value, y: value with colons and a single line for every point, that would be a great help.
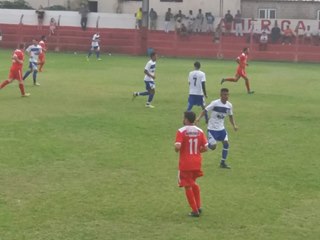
x: 235, y: 79
x: 248, y: 85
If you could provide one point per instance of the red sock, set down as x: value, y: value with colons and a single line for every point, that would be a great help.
x: 196, y: 193
x: 191, y: 199
x: 230, y: 79
x: 4, y: 83
x: 21, y: 86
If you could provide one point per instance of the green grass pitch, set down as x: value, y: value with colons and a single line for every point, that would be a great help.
x: 80, y: 161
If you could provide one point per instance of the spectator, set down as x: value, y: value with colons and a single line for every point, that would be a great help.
x: 238, y: 23
x: 52, y: 27
x: 83, y: 11
x: 179, y: 15
x: 288, y: 36
x: 138, y: 16
x: 191, y: 21
x: 275, y: 33
x: 199, y: 21
x: 228, y: 19
x: 307, y: 37
x: 153, y: 19
x: 40, y: 13
x: 167, y: 18
x: 210, y: 21
x: 316, y: 37
x: 183, y: 30
x: 218, y: 33
x: 263, y: 44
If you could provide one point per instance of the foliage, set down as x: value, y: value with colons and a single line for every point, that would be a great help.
x: 17, y: 4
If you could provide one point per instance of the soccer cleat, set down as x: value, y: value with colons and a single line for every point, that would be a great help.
x: 149, y: 106
x: 224, y: 165
x: 251, y: 92
x: 194, y: 214
x: 26, y: 95
x: 222, y: 81
x: 200, y: 211
x: 36, y: 84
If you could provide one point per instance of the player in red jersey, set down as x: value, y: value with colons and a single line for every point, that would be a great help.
x: 190, y: 143
x: 242, y: 61
x: 16, y: 70
x: 42, y: 55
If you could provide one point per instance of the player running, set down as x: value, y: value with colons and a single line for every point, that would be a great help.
x: 219, y: 108
x: 34, y: 51
x: 149, y: 71
x: 242, y: 61
x: 16, y: 70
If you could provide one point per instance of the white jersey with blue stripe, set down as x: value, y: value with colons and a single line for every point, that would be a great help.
x: 34, y: 51
x: 219, y: 111
x: 196, y: 78
x: 95, y: 40
x: 151, y: 68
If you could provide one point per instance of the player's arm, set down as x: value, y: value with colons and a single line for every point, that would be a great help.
x: 200, y: 116
x: 177, y: 146
x: 204, y: 89
x: 16, y: 59
x: 149, y: 74
x: 235, y: 127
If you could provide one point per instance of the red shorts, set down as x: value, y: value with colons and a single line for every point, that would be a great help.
x: 15, y: 74
x: 42, y: 57
x: 241, y: 72
x: 188, y: 178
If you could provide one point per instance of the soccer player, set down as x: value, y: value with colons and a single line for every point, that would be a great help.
x: 16, y: 70
x: 95, y: 47
x: 190, y: 143
x: 34, y: 51
x: 42, y: 55
x: 219, y: 108
x: 242, y: 61
x: 149, y: 71
x: 197, y: 88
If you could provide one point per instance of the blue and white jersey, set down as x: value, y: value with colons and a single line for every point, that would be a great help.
x: 95, y: 40
x: 219, y: 111
x: 151, y: 68
x: 34, y: 51
x: 196, y: 78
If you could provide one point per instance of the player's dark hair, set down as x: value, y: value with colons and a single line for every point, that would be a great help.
x: 197, y: 65
x: 43, y: 37
x: 152, y: 54
x: 244, y: 49
x: 190, y: 116
x: 224, y: 90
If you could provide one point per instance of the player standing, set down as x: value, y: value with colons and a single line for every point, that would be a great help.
x: 219, y: 108
x: 149, y: 71
x: 34, y: 51
x: 42, y: 55
x: 95, y: 46
x: 16, y: 70
x: 190, y: 143
x: 197, y: 88
x: 242, y: 61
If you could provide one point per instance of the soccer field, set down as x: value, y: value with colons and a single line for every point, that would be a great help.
x: 80, y: 161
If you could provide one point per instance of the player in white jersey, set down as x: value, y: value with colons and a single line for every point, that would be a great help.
x: 33, y: 51
x: 95, y: 47
x: 219, y: 108
x: 197, y: 88
x: 149, y: 78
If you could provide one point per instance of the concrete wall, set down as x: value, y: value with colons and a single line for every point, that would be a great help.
x: 289, y: 10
